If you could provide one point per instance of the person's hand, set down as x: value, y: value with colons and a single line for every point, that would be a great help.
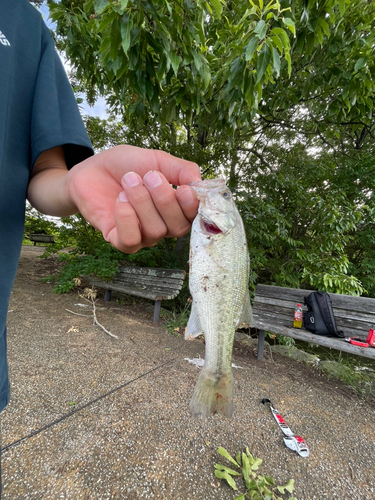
x: 126, y: 193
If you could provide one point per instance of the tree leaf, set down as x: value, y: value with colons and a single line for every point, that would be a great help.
x: 228, y: 478
x: 289, y: 486
x: 269, y: 480
x: 289, y: 23
x: 218, y: 8
x: 257, y: 462
x: 108, y: 19
x: 206, y: 76
x: 275, y: 39
x: 283, y: 37
x: 276, y: 61
x: 251, y: 48
x: 261, y: 29
x: 223, y: 452
x: 246, y: 469
x: 115, y: 42
x: 100, y: 5
x: 175, y: 61
x: 125, y: 32
x: 289, y: 61
x: 324, y: 25
x: 342, y: 6
x: 227, y: 469
x: 359, y: 64
x: 264, y: 58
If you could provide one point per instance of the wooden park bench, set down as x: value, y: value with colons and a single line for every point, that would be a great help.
x: 41, y: 238
x: 147, y: 282
x: 273, y: 312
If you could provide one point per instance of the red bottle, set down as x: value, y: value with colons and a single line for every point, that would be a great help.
x: 298, y: 316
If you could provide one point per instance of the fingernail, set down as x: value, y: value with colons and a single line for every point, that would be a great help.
x: 152, y: 179
x: 122, y: 196
x: 131, y: 179
x: 185, y: 196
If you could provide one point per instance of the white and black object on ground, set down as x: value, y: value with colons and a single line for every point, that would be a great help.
x: 295, y: 443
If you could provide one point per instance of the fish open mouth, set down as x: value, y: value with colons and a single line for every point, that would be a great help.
x: 211, y: 228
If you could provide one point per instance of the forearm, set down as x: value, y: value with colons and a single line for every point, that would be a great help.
x: 48, y: 187
x: 48, y: 193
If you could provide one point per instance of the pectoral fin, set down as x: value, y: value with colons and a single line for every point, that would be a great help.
x: 193, y: 328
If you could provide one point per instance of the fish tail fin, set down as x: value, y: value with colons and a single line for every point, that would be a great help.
x: 212, y: 394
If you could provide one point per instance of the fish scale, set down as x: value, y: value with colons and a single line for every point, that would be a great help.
x: 218, y: 281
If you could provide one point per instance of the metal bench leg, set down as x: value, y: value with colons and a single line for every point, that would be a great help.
x: 155, y: 319
x: 260, y: 344
x: 107, y: 295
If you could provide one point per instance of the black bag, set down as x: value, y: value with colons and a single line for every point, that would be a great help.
x: 319, y: 318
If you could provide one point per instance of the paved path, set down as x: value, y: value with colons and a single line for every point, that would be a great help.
x: 139, y: 441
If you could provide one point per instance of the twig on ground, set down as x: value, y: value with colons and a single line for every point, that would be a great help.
x: 90, y: 296
x: 78, y: 314
x: 96, y: 322
x: 271, y: 354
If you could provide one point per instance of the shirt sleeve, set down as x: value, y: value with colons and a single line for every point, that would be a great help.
x: 56, y: 120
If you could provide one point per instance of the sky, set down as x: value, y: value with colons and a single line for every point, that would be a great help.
x: 99, y: 109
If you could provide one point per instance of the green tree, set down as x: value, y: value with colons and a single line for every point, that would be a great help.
x: 300, y: 221
x: 36, y: 222
x: 277, y: 96
x: 215, y: 64
x: 176, y: 60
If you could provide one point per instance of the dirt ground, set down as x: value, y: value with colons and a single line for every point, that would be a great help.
x: 93, y: 417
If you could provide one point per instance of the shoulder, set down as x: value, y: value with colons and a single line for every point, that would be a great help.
x: 20, y: 8
x: 19, y: 17
x: 23, y: 29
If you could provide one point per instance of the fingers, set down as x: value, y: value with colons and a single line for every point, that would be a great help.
x: 188, y: 201
x: 177, y: 208
x: 126, y: 234
x: 135, y: 204
x: 176, y: 170
x: 148, y: 210
x: 157, y: 206
x: 153, y: 227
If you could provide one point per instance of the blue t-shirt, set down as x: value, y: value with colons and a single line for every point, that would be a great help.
x: 38, y: 111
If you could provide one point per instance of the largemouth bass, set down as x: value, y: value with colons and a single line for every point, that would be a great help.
x: 218, y: 281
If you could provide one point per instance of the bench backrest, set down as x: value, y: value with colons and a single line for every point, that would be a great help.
x: 161, y: 283
x: 42, y: 238
x: 275, y: 305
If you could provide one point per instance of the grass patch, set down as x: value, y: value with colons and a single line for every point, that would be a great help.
x: 175, y: 322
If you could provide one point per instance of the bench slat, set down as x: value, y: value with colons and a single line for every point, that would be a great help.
x: 155, y: 272
x: 147, y: 280
x: 155, y: 285
x: 331, y: 342
x: 276, y: 292
x: 146, y: 294
x: 346, y: 302
x: 272, y: 321
x: 280, y: 305
x: 351, y: 325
